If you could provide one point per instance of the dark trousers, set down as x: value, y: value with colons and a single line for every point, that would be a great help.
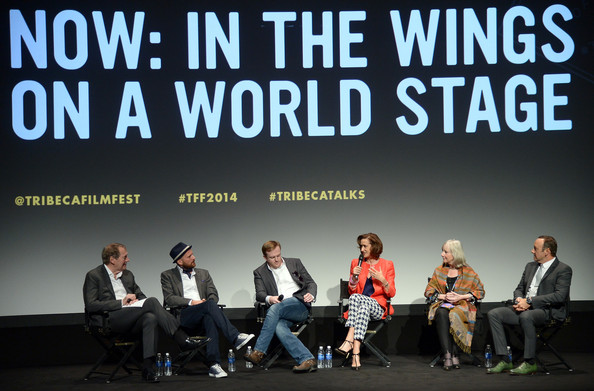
x: 442, y: 324
x: 145, y: 319
x: 210, y: 317
x: 528, y: 320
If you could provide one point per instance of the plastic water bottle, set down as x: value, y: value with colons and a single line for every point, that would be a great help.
x: 321, y: 357
x: 328, y: 363
x: 231, y: 361
x: 248, y: 352
x: 509, y: 354
x: 167, y: 365
x: 159, y: 365
x: 488, y: 357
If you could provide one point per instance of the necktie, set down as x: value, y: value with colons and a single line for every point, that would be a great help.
x: 538, y: 276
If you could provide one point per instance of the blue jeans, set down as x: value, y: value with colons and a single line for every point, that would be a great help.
x: 279, y: 319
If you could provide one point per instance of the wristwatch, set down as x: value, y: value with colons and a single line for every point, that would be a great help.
x: 529, y: 300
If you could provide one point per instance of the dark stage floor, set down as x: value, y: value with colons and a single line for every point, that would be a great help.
x: 408, y: 372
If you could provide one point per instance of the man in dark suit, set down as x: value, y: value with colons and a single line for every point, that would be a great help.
x: 542, y: 294
x: 111, y: 287
x: 193, y: 292
x: 288, y: 290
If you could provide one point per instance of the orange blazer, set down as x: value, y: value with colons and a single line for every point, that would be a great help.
x: 387, y: 268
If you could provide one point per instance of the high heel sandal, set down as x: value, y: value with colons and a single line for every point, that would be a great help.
x: 356, y: 361
x: 456, y: 362
x: 345, y: 353
x: 447, y: 363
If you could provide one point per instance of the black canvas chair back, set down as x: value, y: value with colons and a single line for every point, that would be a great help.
x: 118, y: 346
x: 373, y: 327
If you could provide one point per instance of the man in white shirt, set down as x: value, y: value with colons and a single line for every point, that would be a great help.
x: 288, y: 290
x: 111, y: 287
x: 193, y: 294
x: 542, y: 294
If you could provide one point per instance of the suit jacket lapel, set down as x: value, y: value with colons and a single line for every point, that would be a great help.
x: 177, y: 281
x: 270, y: 282
x: 201, y: 287
x: 550, y: 270
x: 107, y: 280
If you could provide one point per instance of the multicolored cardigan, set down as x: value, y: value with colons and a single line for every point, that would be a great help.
x: 463, y: 315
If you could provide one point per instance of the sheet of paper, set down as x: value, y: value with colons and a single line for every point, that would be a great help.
x: 138, y: 303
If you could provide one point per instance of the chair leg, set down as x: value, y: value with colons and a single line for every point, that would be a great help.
x: 545, y: 345
x: 556, y: 353
x: 435, y: 359
x: 98, y: 363
x: 125, y: 353
x: 184, y: 357
x: 273, y: 356
x: 378, y: 353
x: 344, y: 361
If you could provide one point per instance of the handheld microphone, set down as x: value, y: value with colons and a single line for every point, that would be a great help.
x: 359, y: 264
x: 281, y: 297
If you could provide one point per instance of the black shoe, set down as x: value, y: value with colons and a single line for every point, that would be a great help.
x: 447, y: 363
x: 191, y: 344
x: 149, y: 376
x: 345, y: 353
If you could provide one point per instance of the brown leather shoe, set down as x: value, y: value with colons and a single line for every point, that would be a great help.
x: 255, y: 357
x: 305, y: 366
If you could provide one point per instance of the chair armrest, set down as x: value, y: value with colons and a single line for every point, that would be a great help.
x: 176, y: 310
x: 104, y: 328
x: 260, y: 311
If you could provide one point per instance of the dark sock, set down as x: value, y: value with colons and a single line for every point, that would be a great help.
x: 529, y: 361
x: 505, y: 358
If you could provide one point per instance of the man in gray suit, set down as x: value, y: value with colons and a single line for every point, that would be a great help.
x: 193, y: 293
x: 542, y: 294
x: 111, y: 287
x: 288, y: 290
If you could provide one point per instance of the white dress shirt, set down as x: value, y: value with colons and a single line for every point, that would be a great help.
x: 190, y: 286
x: 533, y: 290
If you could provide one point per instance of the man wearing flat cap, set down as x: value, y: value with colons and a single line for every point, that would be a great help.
x: 192, y: 291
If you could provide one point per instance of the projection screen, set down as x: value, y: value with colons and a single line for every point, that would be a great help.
x: 224, y: 124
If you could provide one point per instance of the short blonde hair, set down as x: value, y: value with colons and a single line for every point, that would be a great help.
x: 457, y: 252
